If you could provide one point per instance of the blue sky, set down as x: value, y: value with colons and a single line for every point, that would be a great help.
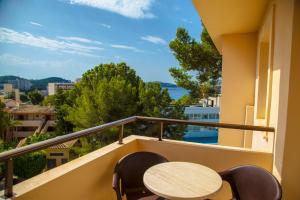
x: 64, y: 38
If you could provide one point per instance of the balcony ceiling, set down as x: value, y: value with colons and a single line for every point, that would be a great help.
x: 230, y: 16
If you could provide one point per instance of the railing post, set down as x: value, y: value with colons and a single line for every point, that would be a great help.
x: 9, y: 178
x: 121, y: 132
x: 160, y: 135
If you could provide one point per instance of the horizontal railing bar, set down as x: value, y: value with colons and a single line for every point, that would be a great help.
x: 61, y: 139
x: 65, y: 138
x: 210, y: 124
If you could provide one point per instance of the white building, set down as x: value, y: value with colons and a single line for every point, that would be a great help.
x: 21, y: 84
x: 53, y: 87
x: 202, y: 134
x: 7, y: 88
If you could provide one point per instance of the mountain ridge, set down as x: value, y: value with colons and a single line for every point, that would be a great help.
x: 40, y: 84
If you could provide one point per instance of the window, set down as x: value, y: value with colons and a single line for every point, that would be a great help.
x: 56, y: 154
x: 212, y: 116
x: 51, y: 163
x: 64, y: 160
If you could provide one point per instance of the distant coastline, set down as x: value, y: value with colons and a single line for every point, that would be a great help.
x: 41, y: 84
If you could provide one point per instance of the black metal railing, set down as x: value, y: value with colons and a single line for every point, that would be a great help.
x: 8, y: 156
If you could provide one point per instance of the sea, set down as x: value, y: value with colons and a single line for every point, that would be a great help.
x: 176, y: 92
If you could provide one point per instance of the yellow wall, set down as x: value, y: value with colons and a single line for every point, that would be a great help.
x: 57, y: 158
x: 90, y: 176
x: 291, y: 156
x: 277, y: 86
x: 277, y: 89
x: 238, y: 83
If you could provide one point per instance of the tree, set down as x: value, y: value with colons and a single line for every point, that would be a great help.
x: 201, y: 58
x: 109, y: 92
x: 61, y: 101
x: 186, y: 100
x: 4, y: 146
x: 35, y: 97
x: 5, y: 122
x: 30, y: 164
x: 106, y: 93
x: 24, y: 98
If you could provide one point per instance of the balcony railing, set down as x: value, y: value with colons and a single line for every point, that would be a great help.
x: 8, y: 156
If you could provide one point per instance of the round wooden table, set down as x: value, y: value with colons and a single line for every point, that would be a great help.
x: 182, y: 180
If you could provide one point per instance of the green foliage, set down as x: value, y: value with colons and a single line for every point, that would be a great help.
x: 9, y: 95
x: 5, y: 122
x: 186, y: 100
x: 201, y: 58
x: 42, y: 84
x: 5, y: 146
x: 110, y: 92
x: 62, y: 100
x: 38, y: 138
x: 106, y: 93
x: 24, y: 98
x: 153, y: 100
x: 35, y: 97
x: 29, y: 165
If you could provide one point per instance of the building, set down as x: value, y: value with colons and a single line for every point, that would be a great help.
x: 21, y: 84
x: 53, y: 87
x: 7, y: 88
x: 31, y: 119
x: 202, y: 134
x: 260, y: 45
x: 59, y: 154
x: 10, y: 103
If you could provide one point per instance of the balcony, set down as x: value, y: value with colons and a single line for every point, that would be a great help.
x: 29, y: 123
x: 90, y: 176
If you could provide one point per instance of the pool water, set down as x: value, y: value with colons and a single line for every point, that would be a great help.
x: 205, y: 140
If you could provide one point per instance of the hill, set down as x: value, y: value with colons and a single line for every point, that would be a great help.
x: 40, y: 84
x: 4, y: 79
x: 162, y: 84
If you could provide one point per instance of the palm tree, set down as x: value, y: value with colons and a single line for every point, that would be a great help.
x: 6, y: 123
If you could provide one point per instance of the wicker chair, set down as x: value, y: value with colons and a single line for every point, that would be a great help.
x: 129, y: 172
x: 251, y: 182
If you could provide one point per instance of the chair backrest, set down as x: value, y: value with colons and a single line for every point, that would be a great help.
x: 131, y: 168
x: 252, y: 182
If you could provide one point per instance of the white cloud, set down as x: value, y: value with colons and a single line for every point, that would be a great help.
x: 106, y: 25
x: 120, y: 46
x: 154, y: 39
x: 9, y: 59
x: 25, y: 38
x: 136, y: 9
x: 79, y: 39
x: 35, y: 24
x: 186, y: 21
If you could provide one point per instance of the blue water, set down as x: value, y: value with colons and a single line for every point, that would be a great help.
x: 205, y: 140
x: 176, y: 92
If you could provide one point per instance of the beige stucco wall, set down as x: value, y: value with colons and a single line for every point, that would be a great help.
x: 281, y: 99
x: 284, y: 97
x: 90, y: 176
x: 291, y: 159
x: 238, y: 83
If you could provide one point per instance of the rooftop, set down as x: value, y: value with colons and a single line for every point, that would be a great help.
x: 32, y: 109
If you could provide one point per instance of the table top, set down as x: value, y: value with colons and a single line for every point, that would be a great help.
x: 182, y: 180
